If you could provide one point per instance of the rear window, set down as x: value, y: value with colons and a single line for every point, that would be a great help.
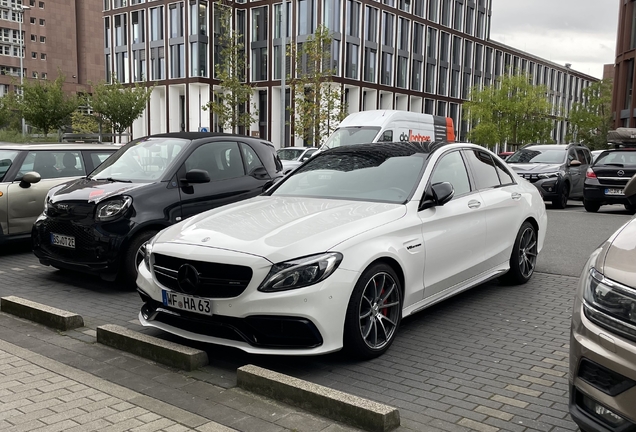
x: 6, y: 160
x: 618, y: 158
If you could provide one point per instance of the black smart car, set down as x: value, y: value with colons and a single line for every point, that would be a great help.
x: 99, y: 223
x: 607, y: 177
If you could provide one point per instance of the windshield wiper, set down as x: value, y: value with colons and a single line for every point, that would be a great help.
x: 110, y: 179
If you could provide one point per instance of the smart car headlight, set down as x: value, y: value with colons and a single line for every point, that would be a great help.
x: 112, y: 209
x: 301, y: 272
x: 610, y: 304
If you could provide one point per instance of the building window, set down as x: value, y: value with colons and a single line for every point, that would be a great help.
x: 42, y: 22
x: 139, y: 65
x: 481, y: 21
x: 34, y: 38
x: 370, y: 64
x: 138, y: 27
x: 416, y: 75
x: 259, y: 43
x: 442, y: 81
x: 176, y: 20
x: 106, y: 4
x: 42, y: 39
x: 157, y: 63
x: 177, y: 61
x: 32, y: 20
x: 444, y: 42
x: 430, y: 78
x: 419, y: 8
x: 352, y: 25
x: 34, y: 55
x: 42, y: 56
x: 306, y: 17
x: 41, y: 5
x: 459, y: 16
x: 370, y: 50
x: 108, y: 68
x: 121, y: 67
x: 431, y: 43
x: 34, y: 74
x: 470, y: 20
x: 446, y: 12
x: 429, y: 106
x: 156, y: 23
x: 402, y: 71
x: 199, y: 18
x: 351, y: 64
x: 199, y: 59
x: 404, y: 5
x: 120, y: 30
x: 31, y: 3
x: 176, y: 41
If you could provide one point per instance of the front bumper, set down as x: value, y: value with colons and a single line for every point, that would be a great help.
x: 548, y: 188
x: 305, y: 321
x: 613, y: 357
x: 97, y: 250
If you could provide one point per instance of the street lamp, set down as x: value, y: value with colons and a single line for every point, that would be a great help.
x: 22, y: 8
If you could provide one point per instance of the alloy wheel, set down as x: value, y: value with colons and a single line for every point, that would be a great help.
x: 379, y: 310
x: 527, y: 252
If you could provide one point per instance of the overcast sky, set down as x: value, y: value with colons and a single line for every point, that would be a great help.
x: 581, y: 32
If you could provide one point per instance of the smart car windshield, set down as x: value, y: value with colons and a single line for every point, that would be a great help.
x: 351, y: 135
x: 6, y: 159
x: 379, y: 173
x: 538, y: 155
x: 142, y: 161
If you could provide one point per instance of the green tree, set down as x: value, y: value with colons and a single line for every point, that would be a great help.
x: 234, y: 95
x: 118, y: 104
x: 45, y: 105
x: 591, y: 119
x: 511, y: 111
x: 317, y: 107
x: 9, y: 117
x: 84, y: 123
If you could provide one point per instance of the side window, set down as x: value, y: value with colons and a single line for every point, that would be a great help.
x: 483, y: 168
x: 53, y: 164
x: 571, y: 155
x: 580, y: 155
x: 387, y: 136
x: 222, y: 160
x: 308, y: 154
x: 504, y: 176
x: 97, y: 158
x: 250, y: 157
x: 451, y: 168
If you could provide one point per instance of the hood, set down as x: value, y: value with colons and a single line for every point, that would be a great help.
x: 620, y: 260
x: 535, y: 168
x: 282, y: 228
x: 92, y: 191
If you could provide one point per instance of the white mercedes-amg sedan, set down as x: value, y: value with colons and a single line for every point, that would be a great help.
x: 336, y: 254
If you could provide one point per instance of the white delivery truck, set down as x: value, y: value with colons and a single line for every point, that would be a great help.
x: 390, y: 126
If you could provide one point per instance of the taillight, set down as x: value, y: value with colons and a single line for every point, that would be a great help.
x: 590, y: 173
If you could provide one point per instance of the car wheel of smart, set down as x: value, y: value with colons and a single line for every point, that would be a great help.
x: 133, y: 257
x: 523, y: 259
x: 374, y: 312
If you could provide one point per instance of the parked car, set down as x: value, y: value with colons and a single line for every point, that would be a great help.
x: 293, y: 157
x: 505, y: 155
x: 605, y: 180
x: 28, y: 171
x: 557, y: 170
x: 98, y: 224
x: 603, y: 341
x: 336, y: 253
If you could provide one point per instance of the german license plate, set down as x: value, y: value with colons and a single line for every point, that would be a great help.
x: 186, y: 302
x: 614, y: 192
x: 63, y: 241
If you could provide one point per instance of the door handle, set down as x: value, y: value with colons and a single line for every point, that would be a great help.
x: 515, y: 196
x: 473, y: 204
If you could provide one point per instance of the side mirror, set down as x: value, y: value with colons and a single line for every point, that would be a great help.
x: 30, y: 178
x: 195, y: 176
x: 260, y: 173
x: 575, y: 162
x: 437, y: 195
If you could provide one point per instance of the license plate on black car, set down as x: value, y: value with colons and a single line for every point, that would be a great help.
x: 63, y: 241
x: 186, y: 302
x: 611, y: 191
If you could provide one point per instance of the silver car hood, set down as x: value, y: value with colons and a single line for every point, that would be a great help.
x: 619, y: 262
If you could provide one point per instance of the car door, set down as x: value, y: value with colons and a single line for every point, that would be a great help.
x: 501, y: 205
x: 583, y: 157
x: 229, y: 181
x: 7, y: 159
x: 574, y: 172
x: 26, y: 201
x: 454, y: 234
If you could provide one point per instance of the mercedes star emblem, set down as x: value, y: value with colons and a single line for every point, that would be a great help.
x: 621, y: 173
x: 188, y: 278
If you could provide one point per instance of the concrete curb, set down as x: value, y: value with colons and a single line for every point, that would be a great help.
x: 333, y: 404
x: 150, y: 347
x: 42, y: 314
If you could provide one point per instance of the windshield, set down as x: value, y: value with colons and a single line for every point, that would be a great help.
x: 351, y: 135
x: 6, y: 159
x: 619, y: 158
x: 141, y: 161
x: 538, y: 155
x: 374, y: 174
x: 290, y: 154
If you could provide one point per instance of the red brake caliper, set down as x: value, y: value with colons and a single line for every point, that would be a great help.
x: 384, y: 312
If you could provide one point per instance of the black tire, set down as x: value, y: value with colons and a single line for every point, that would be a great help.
x: 561, y: 201
x: 355, y: 343
x: 630, y: 208
x: 523, y: 259
x: 591, y: 206
x: 131, y: 258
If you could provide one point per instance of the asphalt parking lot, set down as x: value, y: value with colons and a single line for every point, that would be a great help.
x: 493, y: 358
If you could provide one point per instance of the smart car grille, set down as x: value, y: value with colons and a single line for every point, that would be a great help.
x: 84, y: 239
x: 605, y: 380
x: 215, y: 280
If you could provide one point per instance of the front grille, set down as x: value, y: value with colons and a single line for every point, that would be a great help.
x: 605, y: 380
x: 532, y: 178
x: 85, y: 241
x: 215, y: 280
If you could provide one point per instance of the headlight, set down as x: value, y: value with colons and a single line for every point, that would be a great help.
x: 301, y: 272
x: 610, y: 304
x: 110, y: 210
x: 555, y: 174
x: 47, y: 201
